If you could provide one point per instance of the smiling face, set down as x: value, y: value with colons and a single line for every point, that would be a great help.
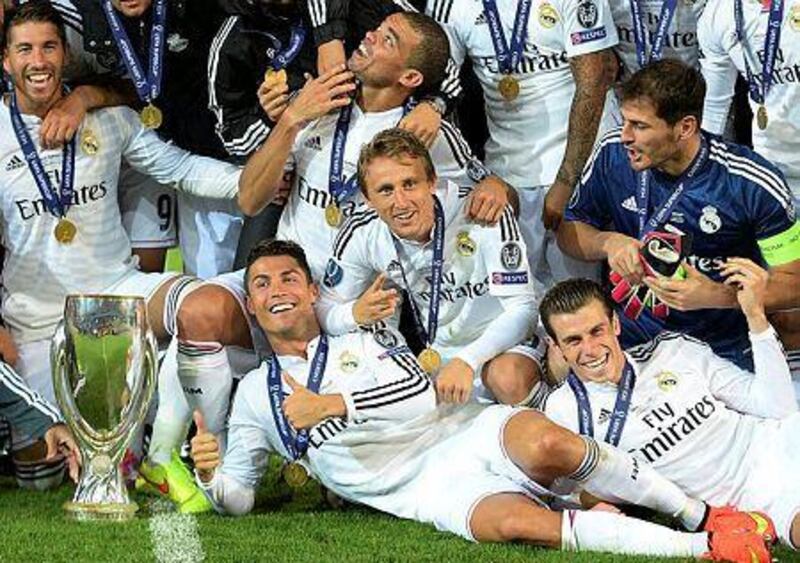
x: 381, y: 58
x: 281, y: 296
x: 401, y: 192
x: 35, y: 58
x: 588, y: 340
x: 131, y: 8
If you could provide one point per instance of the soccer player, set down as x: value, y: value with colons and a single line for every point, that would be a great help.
x: 320, y: 133
x: 760, y: 41
x: 545, y: 69
x: 720, y: 433
x: 357, y: 413
x: 468, y: 284
x: 660, y: 175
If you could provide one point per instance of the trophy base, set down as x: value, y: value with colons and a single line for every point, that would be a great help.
x: 109, y: 512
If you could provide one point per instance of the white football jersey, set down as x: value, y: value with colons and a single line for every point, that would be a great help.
x: 303, y: 218
x: 681, y: 38
x: 723, y: 57
x: 527, y: 136
x: 686, y: 412
x: 487, y: 302
x: 39, y: 271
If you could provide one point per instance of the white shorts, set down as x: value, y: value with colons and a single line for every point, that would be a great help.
x: 455, y: 460
x: 548, y: 264
x: 34, y: 357
x: 147, y: 209
x: 209, y: 233
x: 234, y: 283
x: 772, y: 483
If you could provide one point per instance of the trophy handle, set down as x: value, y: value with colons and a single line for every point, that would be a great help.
x: 66, y: 402
x: 143, y: 393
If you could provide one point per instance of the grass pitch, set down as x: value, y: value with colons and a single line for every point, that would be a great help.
x: 285, y: 526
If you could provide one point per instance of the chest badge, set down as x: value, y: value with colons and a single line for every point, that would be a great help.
x: 348, y: 362
x: 465, y: 246
x: 548, y: 17
x: 710, y: 221
x: 794, y: 17
x: 667, y: 381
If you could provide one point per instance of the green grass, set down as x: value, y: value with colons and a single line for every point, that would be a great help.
x: 285, y: 526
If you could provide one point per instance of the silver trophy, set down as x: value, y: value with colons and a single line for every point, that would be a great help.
x: 104, y: 368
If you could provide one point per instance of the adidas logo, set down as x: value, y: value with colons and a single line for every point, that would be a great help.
x: 481, y: 19
x: 14, y: 163
x: 313, y: 143
x: 630, y: 204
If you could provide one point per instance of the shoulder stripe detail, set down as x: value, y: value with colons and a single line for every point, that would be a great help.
x: 355, y: 222
x: 318, y: 10
x: 16, y: 385
x: 644, y: 352
x: 441, y: 10
x: 70, y: 14
x: 451, y: 84
x: 250, y: 140
x: 458, y: 146
x: 211, y: 68
x: 405, y: 6
x: 509, y: 228
x: 612, y: 136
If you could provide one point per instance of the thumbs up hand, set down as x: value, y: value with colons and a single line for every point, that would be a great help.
x: 305, y: 409
x: 205, y: 450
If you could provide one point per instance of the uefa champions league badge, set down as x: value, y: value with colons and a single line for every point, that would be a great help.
x: 385, y: 338
x: 511, y: 256
x: 667, y: 381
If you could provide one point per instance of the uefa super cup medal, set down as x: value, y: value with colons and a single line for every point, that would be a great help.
x: 65, y: 231
x: 508, y: 87
x: 333, y: 215
x: 762, y: 119
x: 430, y: 360
x: 295, y: 475
x: 151, y: 117
x: 274, y: 78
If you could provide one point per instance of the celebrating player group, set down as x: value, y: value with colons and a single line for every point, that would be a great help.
x: 512, y: 333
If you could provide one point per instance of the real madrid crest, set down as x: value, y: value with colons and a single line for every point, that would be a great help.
x: 465, y: 246
x: 710, y: 221
x: 667, y: 381
x: 348, y: 362
x: 548, y: 17
x: 794, y: 17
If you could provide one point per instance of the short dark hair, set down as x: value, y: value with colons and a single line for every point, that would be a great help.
x: 675, y: 89
x: 276, y: 247
x: 570, y: 296
x: 393, y: 143
x: 38, y: 11
x: 432, y: 54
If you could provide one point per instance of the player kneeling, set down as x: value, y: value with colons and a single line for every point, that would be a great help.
x: 358, y: 414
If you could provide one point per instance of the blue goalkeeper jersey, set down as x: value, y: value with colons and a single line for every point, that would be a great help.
x: 738, y: 204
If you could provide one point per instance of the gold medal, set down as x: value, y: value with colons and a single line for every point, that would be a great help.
x: 89, y: 143
x: 151, y: 117
x: 275, y: 78
x: 761, y: 117
x: 295, y: 475
x: 65, y: 231
x: 465, y: 245
x: 430, y: 360
x: 509, y: 88
x: 333, y: 215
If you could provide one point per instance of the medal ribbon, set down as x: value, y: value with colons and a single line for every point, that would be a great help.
x: 508, y: 58
x: 296, y: 446
x: 147, y: 87
x: 296, y: 39
x: 57, y: 203
x: 668, y: 8
x: 643, y: 193
x: 621, y: 406
x: 771, y: 43
x: 339, y: 188
x: 437, y: 268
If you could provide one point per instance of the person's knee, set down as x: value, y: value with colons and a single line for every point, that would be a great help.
x: 207, y: 314
x: 510, y: 378
x: 795, y: 532
x: 541, y: 448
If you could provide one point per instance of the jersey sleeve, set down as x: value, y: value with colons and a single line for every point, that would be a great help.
x: 403, y: 390
x: 717, y: 67
x: 241, y: 123
x: 28, y: 413
x: 453, y: 158
x: 768, y: 393
x: 348, y: 273
x: 168, y: 164
x: 232, y: 490
x: 590, y: 201
x: 587, y: 26
x: 441, y: 11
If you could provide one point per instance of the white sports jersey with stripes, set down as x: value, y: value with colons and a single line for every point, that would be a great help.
x: 487, y: 303
x: 39, y: 271
x: 527, y: 136
x: 395, y: 451
x: 303, y: 218
x: 722, y: 434
x: 681, y: 38
x: 724, y: 57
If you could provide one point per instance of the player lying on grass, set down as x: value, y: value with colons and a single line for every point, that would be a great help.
x: 720, y: 433
x: 358, y: 413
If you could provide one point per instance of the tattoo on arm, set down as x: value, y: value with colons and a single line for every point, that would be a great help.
x: 593, y: 73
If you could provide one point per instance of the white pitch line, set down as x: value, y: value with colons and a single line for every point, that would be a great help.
x: 175, y: 537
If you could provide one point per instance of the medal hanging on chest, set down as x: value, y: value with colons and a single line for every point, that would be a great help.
x: 509, y: 56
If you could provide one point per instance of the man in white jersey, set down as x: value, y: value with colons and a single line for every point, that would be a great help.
x: 468, y: 284
x: 545, y: 67
x: 358, y: 413
x: 720, y: 433
x: 747, y: 48
x: 406, y: 55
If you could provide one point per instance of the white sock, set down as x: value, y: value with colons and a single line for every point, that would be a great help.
x: 173, y: 415
x: 615, y: 476
x: 793, y: 358
x: 206, y: 377
x: 606, y: 531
